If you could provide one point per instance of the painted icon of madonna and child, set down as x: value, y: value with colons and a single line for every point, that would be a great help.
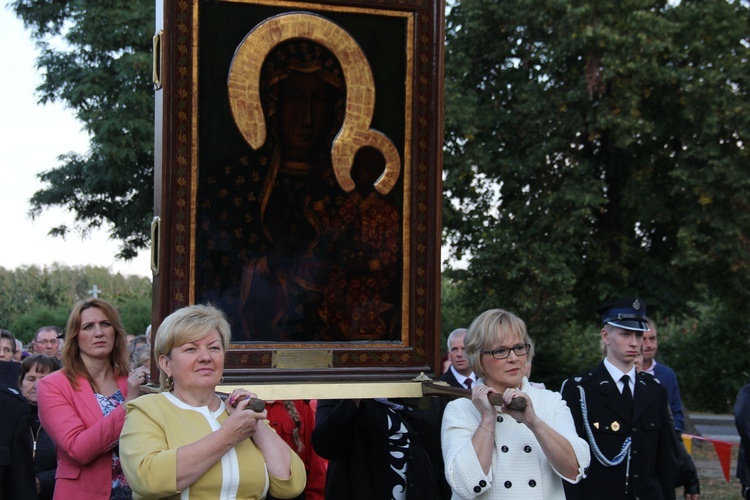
x: 297, y: 240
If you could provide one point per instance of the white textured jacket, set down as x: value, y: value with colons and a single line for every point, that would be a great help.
x: 519, y: 467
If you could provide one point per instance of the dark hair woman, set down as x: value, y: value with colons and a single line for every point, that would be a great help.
x: 33, y: 369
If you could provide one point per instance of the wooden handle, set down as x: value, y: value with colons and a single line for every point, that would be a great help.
x: 439, y: 389
x: 255, y: 404
x: 517, y: 404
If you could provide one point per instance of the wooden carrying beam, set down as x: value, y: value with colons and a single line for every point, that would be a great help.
x: 406, y: 390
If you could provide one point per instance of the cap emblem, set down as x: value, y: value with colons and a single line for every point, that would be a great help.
x: 637, y: 305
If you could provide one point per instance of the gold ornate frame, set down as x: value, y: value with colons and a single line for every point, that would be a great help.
x: 244, y: 91
x: 178, y: 162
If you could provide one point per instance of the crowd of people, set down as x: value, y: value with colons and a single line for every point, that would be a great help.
x: 76, y: 424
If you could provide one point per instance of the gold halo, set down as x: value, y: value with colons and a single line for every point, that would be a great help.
x: 244, y: 92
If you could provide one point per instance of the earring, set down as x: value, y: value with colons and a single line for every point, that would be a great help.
x: 222, y: 380
x: 169, y: 381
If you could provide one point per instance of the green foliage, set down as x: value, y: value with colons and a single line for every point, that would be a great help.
x: 708, y: 356
x: 27, y: 288
x: 570, y: 349
x: 595, y: 150
x: 454, y: 312
x: 96, y: 59
x: 31, y: 297
x: 24, y: 326
x: 135, y: 313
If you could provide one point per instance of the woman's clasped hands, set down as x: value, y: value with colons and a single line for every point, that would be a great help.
x: 243, y: 420
x: 481, y: 394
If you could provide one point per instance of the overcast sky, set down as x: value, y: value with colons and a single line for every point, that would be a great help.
x: 32, y: 136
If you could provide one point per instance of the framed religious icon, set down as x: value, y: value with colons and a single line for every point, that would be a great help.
x: 298, y: 169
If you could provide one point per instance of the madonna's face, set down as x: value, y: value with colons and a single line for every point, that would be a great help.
x: 306, y: 115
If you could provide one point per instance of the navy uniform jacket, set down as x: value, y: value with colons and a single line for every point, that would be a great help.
x: 647, y: 422
x: 16, y: 462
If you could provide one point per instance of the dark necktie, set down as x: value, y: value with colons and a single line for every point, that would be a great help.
x: 626, y: 394
x: 468, y: 383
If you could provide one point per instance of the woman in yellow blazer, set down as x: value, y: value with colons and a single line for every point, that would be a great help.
x: 185, y: 442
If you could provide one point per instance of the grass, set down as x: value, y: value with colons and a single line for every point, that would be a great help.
x: 713, y: 484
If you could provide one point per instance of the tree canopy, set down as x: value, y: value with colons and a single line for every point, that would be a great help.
x: 95, y: 56
x: 592, y: 150
x: 595, y: 150
x: 32, y: 296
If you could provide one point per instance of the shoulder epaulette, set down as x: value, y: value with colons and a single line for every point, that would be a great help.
x: 579, y: 379
x: 584, y: 377
x: 647, y: 377
x: 12, y: 391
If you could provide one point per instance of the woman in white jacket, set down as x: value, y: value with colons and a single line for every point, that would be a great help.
x: 498, y: 452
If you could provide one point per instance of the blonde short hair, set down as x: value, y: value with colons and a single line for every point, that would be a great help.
x: 490, y: 329
x: 188, y: 324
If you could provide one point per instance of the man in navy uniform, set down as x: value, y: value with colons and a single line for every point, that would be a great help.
x: 624, y: 416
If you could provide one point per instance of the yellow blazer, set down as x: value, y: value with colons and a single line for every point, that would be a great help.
x: 157, y: 424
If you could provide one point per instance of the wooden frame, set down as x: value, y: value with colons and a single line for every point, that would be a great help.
x: 199, y: 124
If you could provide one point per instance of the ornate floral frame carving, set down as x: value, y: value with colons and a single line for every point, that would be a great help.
x: 193, y: 37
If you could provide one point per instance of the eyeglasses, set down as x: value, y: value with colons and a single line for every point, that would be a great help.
x: 48, y: 342
x: 504, y: 352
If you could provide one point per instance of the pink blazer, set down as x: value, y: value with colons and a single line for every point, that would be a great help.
x: 84, y: 437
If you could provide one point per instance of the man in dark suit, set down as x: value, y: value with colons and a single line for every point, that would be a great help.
x: 663, y: 374
x: 17, y: 478
x: 742, y: 421
x: 666, y: 377
x: 624, y: 416
x: 459, y: 372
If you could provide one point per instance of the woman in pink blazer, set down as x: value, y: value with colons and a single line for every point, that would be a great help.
x: 82, y: 406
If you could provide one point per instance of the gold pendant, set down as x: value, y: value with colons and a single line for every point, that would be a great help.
x: 596, y: 424
x: 615, y: 426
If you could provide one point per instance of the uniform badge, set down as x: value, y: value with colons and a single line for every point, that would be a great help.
x: 577, y: 379
x: 596, y: 424
x: 637, y: 304
x: 615, y: 426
